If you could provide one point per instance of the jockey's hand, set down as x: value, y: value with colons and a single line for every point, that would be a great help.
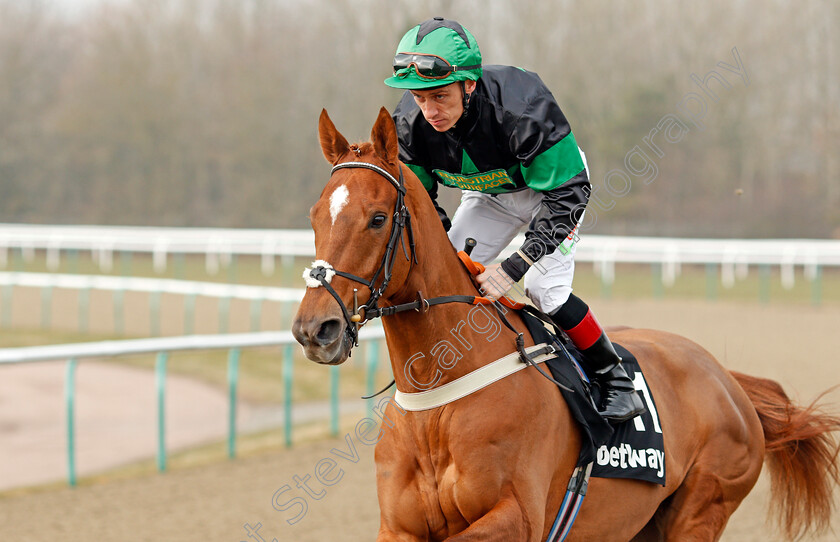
x: 494, y: 282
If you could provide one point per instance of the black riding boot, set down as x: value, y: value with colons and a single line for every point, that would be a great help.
x: 619, y: 400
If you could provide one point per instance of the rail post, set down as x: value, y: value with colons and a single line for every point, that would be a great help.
x: 224, y: 314
x: 233, y: 380
x: 70, y: 403
x: 372, y: 355
x: 288, y: 375
x: 334, y: 376
x: 160, y: 386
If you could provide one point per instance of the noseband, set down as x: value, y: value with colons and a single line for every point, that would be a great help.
x: 322, y: 272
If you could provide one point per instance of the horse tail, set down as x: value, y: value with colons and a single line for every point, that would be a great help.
x: 801, y: 453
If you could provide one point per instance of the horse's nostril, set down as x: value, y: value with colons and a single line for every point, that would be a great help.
x: 328, y: 332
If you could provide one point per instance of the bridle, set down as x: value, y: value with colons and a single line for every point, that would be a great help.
x: 401, y: 221
x: 323, y: 273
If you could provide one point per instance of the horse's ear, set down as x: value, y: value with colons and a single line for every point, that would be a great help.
x: 384, y: 138
x: 333, y: 144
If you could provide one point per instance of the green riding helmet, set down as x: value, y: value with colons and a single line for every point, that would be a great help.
x: 435, y: 53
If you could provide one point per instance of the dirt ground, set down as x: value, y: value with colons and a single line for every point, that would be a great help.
x: 114, y: 424
x: 794, y: 345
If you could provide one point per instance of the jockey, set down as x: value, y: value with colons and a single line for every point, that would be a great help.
x: 497, y: 133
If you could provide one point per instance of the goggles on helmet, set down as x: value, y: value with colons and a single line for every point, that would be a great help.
x: 427, y: 66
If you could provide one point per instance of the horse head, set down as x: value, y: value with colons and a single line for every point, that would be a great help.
x: 363, y: 238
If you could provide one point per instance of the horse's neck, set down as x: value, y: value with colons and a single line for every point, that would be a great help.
x: 447, y: 341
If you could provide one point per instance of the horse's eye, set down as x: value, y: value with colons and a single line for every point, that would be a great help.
x: 378, y: 221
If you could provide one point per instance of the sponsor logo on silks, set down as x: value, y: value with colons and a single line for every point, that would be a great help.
x: 624, y: 456
x: 481, y: 182
x: 566, y: 245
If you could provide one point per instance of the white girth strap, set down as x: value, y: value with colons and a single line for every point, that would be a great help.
x: 469, y: 383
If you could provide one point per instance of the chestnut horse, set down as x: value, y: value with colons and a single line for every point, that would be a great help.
x: 494, y: 465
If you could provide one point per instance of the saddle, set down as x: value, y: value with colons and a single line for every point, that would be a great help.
x: 633, y: 449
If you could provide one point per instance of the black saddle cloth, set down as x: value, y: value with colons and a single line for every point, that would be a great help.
x: 633, y: 449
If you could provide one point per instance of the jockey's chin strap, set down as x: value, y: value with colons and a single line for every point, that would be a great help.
x: 323, y: 273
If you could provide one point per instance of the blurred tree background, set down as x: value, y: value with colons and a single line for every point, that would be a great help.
x: 204, y: 112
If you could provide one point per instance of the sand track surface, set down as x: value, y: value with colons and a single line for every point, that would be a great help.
x: 795, y: 345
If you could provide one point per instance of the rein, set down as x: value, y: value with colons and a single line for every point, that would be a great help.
x: 322, y: 273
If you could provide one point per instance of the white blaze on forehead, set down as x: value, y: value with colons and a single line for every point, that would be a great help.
x: 338, y: 199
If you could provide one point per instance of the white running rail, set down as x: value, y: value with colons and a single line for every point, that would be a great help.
x: 151, y: 285
x: 102, y: 349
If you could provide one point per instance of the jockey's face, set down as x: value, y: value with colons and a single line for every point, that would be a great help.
x: 443, y: 106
